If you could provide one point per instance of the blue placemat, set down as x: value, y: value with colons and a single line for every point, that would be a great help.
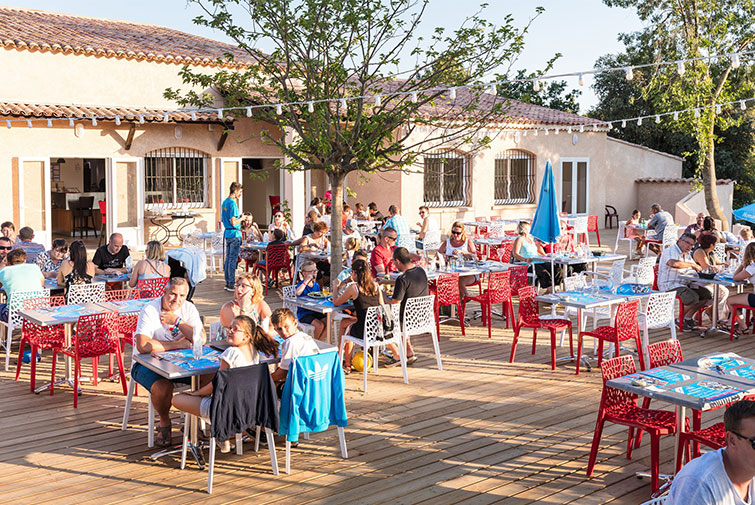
x: 725, y: 277
x: 632, y: 289
x: 709, y: 390
x: 660, y: 377
x: 747, y: 372
x: 131, y: 305
x: 578, y: 296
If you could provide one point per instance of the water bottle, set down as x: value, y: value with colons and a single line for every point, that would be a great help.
x: 129, y: 262
x: 265, y: 237
x: 196, y: 347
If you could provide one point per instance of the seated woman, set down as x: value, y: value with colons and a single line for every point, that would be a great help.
x: 704, y: 256
x: 250, y: 228
x: 77, y: 269
x: 316, y: 242
x: 709, y: 225
x: 308, y: 285
x: 634, y: 234
x: 365, y: 293
x: 525, y: 249
x: 457, y: 245
x: 745, y: 272
x: 280, y: 223
x: 49, y: 261
x: 361, y: 213
x: 153, y: 266
x: 247, y: 301
x: 247, y: 340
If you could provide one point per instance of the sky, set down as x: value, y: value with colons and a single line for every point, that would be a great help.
x: 582, y: 30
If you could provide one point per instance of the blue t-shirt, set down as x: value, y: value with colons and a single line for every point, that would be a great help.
x: 23, y: 277
x: 314, y: 288
x: 230, y: 209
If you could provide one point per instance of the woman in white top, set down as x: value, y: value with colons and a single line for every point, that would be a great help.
x: 247, y: 340
x: 247, y: 301
x: 745, y: 272
x: 459, y: 246
x: 317, y: 205
x: 280, y: 223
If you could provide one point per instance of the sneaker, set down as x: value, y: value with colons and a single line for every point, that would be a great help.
x: 689, y: 324
x: 228, y: 288
x: 392, y: 362
x: 225, y: 447
x: 410, y: 360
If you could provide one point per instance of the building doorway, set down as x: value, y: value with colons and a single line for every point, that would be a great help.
x: 573, y: 185
x: 75, y: 182
x: 261, y: 181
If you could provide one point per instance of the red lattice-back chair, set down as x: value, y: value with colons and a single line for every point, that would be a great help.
x: 502, y: 252
x: 620, y: 407
x: 747, y: 312
x: 40, y: 337
x: 529, y: 317
x: 447, y: 293
x: 518, y: 278
x: 626, y: 327
x: 498, y: 291
x: 96, y: 335
x: 126, y: 321
x: 481, y: 230
x: 152, y: 288
x: 276, y: 259
x: 592, y: 225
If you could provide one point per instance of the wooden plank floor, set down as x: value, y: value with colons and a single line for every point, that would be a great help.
x: 480, y: 431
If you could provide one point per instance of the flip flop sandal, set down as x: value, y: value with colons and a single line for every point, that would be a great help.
x: 164, y: 436
x: 347, y: 370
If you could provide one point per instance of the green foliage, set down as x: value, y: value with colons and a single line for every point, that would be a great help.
x: 552, y: 94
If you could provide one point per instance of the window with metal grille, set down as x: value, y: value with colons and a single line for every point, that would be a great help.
x: 514, y: 177
x: 175, y: 176
x: 447, y: 180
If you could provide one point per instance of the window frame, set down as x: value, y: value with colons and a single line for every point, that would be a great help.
x: 531, y: 175
x: 174, y: 154
x: 465, y: 177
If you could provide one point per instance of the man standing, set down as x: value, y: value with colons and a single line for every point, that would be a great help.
x: 26, y: 242
x: 111, y: 258
x: 676, y: 261
x: 412, y: 283
x: 232, y: 219
x: 658, y: 224
x: 725, y: 476
x: 164, y: 324
x: 380, y: 259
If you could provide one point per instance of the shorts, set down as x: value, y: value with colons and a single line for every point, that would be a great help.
x: 751, y: 300
x: 308, y: 318
x: 690, y: 295
x: 146, y: 377
x: 204, y: 407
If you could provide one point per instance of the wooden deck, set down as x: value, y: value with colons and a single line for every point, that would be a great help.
x: 480, y: 431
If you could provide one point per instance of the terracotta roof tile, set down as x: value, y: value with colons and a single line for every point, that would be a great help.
x: 36, y: 30
x: 680, y: 179
x: 11, y: 110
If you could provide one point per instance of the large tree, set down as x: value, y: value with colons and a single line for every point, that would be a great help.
x: 325, y: 56
x: 683, y: 29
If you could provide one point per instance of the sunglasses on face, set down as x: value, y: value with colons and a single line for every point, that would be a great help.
x: 455, y: 232
x: 751, y: 440
x: 5, y: 247
x: 392, y: 239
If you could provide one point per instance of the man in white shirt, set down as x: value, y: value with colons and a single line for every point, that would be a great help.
x: 164, y: 324
x: 725, y: 476
x: 676, y: 261
x: 295, y: 343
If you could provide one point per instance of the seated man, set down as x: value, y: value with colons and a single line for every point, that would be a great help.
x: 725, y: 476
x: 111, y: 258
x: 5, y: 246
x: 658, y: 224
x: 412, y: 283
x: 26, y: 242
x: 164, y: 324
x: 295, y: 343
x: 676, y: 261
x: 381, y: 261
x: 18, y: 276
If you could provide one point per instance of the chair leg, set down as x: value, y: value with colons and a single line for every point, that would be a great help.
x: 185, y: 438
x: 655, y: 443
x: 211, y: 465
x: 121, y: 373
x: 32, y: 362
x: 579, y: 351
x: 150, y: 422
x: 257, y: 431
x: 288, y: 455
x: 239, y: 444
x: 553, y: 349
x: 95, y: 363
x: 127, y: 408
x: 342, y: 442
x: 513, y: 342
x: 402, y: 357
x: 597, y: 234
x: 76, y: 378
x: 534, y: 340
x: 271, y: 446
x: 8, y: 342
x: 52, y: 375
x: 681, y: 451
x: 21, y: 346
x: 364, y: 369
x: 595, y: 444
x: 461, y: 318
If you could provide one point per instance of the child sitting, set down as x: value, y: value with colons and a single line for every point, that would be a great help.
x: 295, y: 343
x: 307, y: 285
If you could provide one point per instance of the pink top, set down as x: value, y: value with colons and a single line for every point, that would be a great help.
x: 631, y: 232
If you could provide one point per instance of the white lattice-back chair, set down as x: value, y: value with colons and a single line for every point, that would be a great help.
x: 580, y: 228
x: 289, y: 295
x: 670, y: 236
x: 407, y: 240
x: 720, y: 251
x: 217, y: 244
x: 658, y: 313
x: 419, y: 318
x: 622, y: 235
x: 193, y: 241
x: 15, y: 321
x: 612, y: 276
x: 375, y: 339
x: 431, y: 242
x: 86, y: 293
x: 642, y: 272
x: 495, y: 230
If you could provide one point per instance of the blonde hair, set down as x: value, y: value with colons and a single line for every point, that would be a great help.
x: 352, y: 244
x: 521, y: 226
x: 459, y: 224
x: 256, y: 284
x: 746, y: 233
x: 155, y: 251
x: 749, y: 255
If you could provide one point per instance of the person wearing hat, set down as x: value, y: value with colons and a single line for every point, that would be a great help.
x: 350, y: 230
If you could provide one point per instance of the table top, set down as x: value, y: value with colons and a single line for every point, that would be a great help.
x: 64, y: 314
x: 126, y: 306
x: 719, y: 279
x: 321, y: 305
x: 493, y: 241
x: 701, y: 383
x: 179, y: 364
x: 581, y: 300
x: 572, y: 260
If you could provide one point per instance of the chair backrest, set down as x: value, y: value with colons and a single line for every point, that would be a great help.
x: 574, y: 282
x: 406, y: 240
x: 43, y: 302
x: 117, y: 295
x: 217, y: 332
x: 592, y: 223
x: 431, y: 242
x: 447, y: 289
x: 612, y: 398
x: 611, y: 210
x: 529, y: 310
x: 97, y: 334
x: 626, y: 324
x: 655, y: 277
x: 16, y: 303
x: 85, y: 203
x: 499, y: 287
x: 193, y: 241
x: 518, y: 277
x: 478, y: 249
x: 86, y: 293
x: 373, y: 324
x: 496, y: 230
x: 670, y: 235
x: 665, y: 353
x: 504, y: 251
x: 580, y: 224
x: 622, y: 233
x: 289, y: 293
x: 103, y: 210
x: 720, y: 251
x: 660, y: 309
x: 217, y: 243
x: 644, y: 272
x: 419, y: 315
x: 152, y: 288
x: 277, y: 256
x: 616, y: 274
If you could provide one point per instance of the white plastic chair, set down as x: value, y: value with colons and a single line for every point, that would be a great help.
x: 150, y: 412
x: 658, y: 313
x: 580, y: 228
x: 670, y: 236
x: 612, y: 276
x: 642, y: 272
x: 289, y: 293
x: 419, y: 319
x: 373, y: 332
x: 720, y: 251
x: 431, y: 242
x: 86, y: 293
x: 407, y: 241
x: 495, y: 230
x: 15, y: 321
x: 193, y: 241
x: 622, y: 235
x: 217, y: 244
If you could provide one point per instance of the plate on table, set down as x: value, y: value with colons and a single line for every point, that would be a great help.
x: 318, y: 295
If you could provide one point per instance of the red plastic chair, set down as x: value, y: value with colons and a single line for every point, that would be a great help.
x: 620, y: 407
x: 747, y: 311
x: 626, y: 327
x: 275, y: 203
x: 40, y: 337
x: 518, y: 278
x: 103, y: 212
x: 502, y: 252
x: 447, y: 293
x: 96, y: 335
x: 151, y: 288
x: 498, y: 291
x: 276, y: 259
x: 592, y: 225
x: 529, y: 317
x: 126, y: 321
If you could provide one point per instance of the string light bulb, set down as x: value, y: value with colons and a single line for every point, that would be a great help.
x: 414, y: 97
x: 379, y: 100
x: 639, y: 121
x: 680, y: 68
x: 536, y: 85
x: 141, y: 119
x: 193, y: 116
x: 49, y: 123
x: 568, y: 130
x: 735, y: 61
x: 581, y: 128
x: 279, y: 109
x: 595, y: 127
x: 742, y: 105
x: 629, y: 73
x: 343, y: 103
x: 546, y: 132
x: 7, y: 124
x: 580, y: 79
x: 517, y: 137
x: 536, y: 133
x: 165, y: 117
x: 452, y: 93
x: 492, y: 89
x: 718, y: 109
x: 220, y: 113
x: 118, y: 120
x: 248, y: 112
x: 310, y: 106
x: 676, y: 116
x: 28, y: 123
x: 657, y: 119
x: 94, y: 121
x: 697, y: 113
x: 556, y: 131
x: 524, y: 133
x: 623, y: 123
x: 70, y: 122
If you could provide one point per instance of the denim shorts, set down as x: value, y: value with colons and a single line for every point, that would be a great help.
x: 146, y: 377
x: 204, y: 407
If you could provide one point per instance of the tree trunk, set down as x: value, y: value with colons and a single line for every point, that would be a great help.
x: 337, y: 179
x: 709, y: 184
